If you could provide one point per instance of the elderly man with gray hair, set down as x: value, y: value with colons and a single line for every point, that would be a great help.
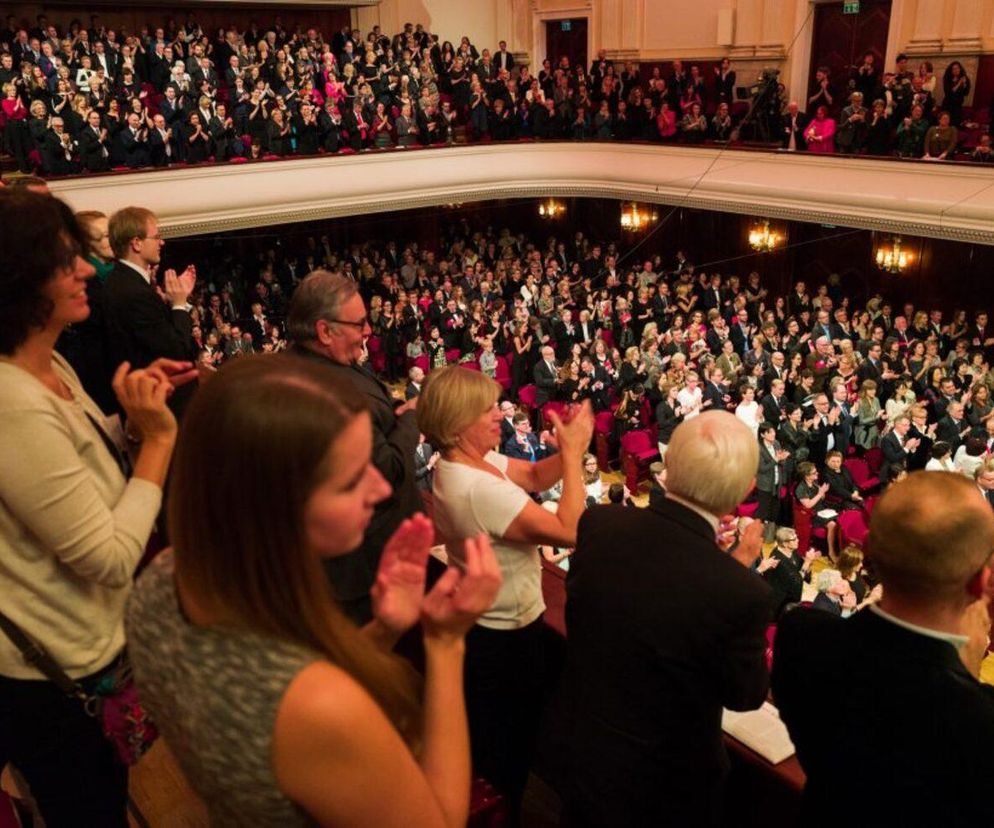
x: 327, y: 321
x: 664, y: 630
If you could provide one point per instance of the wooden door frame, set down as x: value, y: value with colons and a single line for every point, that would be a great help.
x: 540, y: 22
x: 799, y: 69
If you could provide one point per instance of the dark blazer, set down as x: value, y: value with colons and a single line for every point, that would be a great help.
x: 91, y: 151
x: 411, y: 391
x: 893, y: 453
x: 395, y: 440
x: 663, y: 631
x: 928, y: 746
x: 766, y: 472
x: 143, y: 327
x: 422, y: 474
x: 949, y: 431
x: 514, y: 449
x: 798, y: 129
x: 667, y: 420
x: 545, y: 383
x: 785, y: 580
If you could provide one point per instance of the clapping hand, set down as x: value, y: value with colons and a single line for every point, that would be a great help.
x: 768, y: 563
x: 179, y: 288
x: 458, y: 599
x: 399, y: 588
x: 173, y: 371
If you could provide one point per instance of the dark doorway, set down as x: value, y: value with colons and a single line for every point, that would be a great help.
x: 840, y: 40
x: 567, y: 38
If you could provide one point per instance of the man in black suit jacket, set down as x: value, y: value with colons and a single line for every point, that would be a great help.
x: 92, y: 140
x: 144, y: 326
x: 134, y: 142
x: 416, y: 377
x: 664, y: 630
x: 897, y: 445
x: 908, y: 664
x: 953, y: 428
x: 425, y: 458
x: 327, y: 321
x: 546, y: 375
x: 524, y: 444
x: 794, y: 124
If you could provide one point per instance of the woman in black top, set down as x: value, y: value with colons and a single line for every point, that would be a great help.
x: 198, y: 142
x: 669, y: 413
x: 956, y: 86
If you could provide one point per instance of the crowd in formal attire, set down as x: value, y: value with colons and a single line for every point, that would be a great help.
x: 262, y: 641
x: 86, y: 100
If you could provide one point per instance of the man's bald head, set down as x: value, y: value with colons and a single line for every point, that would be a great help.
x: 929, y: 537
x: 711, y: 460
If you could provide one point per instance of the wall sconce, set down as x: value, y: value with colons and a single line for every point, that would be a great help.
x: 762, y: 239
x: 635, y: 219
x: 551, y: 209
x: 891, y: 257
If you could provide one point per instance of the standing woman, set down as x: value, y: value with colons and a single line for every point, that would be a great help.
x: 74, y: 515
x: 956, y: 87
x: 278, y: 708
x: 16, y: 135
x: 478, y: 490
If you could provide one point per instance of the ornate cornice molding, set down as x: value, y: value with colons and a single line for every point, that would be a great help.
x: 935, y: 200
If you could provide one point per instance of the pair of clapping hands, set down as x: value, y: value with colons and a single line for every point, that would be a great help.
x: 452, y: 606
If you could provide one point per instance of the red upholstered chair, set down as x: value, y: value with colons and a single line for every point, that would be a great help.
x: 861, y: 475
x: 526, y: 396
x: 771, y: 636
x: 503, y: 373
x: 421, y: 362
x: 377, y: 358
x: 637, y: 452
x: 874, y: 458
x: 603, y: 427
x: 452, y: 355
x: 558, y: 407
x: 747, y: 509
x: 526, y: 400
x: 608, y: 337
x: 237, y: 160
x: 852, y: 528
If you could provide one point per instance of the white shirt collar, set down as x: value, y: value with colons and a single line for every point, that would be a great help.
x: 958, y: 641
x: 139, y: 270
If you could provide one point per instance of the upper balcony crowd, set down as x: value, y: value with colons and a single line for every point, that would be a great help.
x: 88, y: 100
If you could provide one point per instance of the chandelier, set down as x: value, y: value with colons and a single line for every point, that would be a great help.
x: 635, y: 218
x: 891, y: 258
x: 551, y: 209
x: 762, y: 239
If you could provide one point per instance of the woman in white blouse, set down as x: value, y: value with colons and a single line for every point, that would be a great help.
x: 478, y: 490
x: 748, y: 409
x: 74, y: 516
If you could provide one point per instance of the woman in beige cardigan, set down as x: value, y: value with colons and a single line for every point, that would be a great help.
x: 74, y: 516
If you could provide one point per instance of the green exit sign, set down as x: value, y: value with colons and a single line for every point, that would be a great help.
x: 850, y: 7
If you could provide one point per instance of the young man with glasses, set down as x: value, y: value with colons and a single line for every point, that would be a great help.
x: 144, y: 328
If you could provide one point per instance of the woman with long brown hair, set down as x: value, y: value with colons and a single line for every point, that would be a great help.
x: 278, y: 708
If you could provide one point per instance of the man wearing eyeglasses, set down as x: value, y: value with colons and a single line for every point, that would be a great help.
x: 145, y: 328
x: 327, y: 321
